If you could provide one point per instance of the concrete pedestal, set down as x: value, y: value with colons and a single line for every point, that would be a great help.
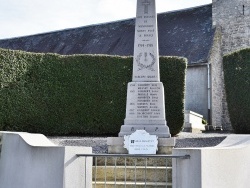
x: 116, y: 145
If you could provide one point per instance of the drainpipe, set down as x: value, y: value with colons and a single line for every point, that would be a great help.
x: 209, y: 93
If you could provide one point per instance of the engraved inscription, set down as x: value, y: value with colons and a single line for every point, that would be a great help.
x: 145, y: 26
x: 145, y: 107
x: 145, y: 45
x: 146, y: 54
x: 146, y: 101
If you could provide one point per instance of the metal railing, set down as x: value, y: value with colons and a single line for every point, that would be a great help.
x: 125, y: 170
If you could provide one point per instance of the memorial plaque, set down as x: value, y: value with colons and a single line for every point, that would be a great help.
x: 141, y: 142
x: 145, y: 109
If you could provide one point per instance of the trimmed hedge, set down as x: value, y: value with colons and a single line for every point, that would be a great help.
x: 173, y: 74
x: 77, y: 94
x: 237, y: 84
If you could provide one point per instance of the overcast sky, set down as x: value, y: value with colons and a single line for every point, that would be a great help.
x: 26, y: 17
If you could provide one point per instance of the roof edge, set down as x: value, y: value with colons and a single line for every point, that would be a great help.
x: 100, y: 24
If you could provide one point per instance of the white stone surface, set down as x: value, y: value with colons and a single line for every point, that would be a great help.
x: 224, y: 166
x: 23, y: 165
x: 193, y: 122
x: 161, y: 141
x: 158, y: 130
x: 145, y: 103
x: 145, y: 109
x: 77, y: 170
x: 32, y: 161
x: 146, y: 53
x: 145, y: 96
x: 141, y: 142
x: 116, y: 145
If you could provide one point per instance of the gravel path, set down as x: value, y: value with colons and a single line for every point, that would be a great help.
x: 183, y: 140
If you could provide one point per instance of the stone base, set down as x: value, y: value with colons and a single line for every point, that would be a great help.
x: 116, y: 145
x: 162, y: 131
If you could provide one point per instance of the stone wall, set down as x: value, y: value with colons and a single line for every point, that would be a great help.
x: 234, y: 17
x: 215, y: 60
x: 231, y: 19
x: 219, y: 113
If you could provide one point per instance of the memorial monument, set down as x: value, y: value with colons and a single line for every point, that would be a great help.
x: 145, y: 108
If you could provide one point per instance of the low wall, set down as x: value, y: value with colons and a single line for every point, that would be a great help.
x: 193, y: 122
x: 32, y: 161
x: 77, y: 170
x: 224, y: 166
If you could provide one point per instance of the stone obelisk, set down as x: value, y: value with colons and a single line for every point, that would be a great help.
x: 145, y: 108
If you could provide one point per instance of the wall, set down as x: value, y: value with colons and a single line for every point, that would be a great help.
x: 231, y: 19
x: 219, y: 111
x: 226, y: 165
x: 196, y: 95
x: 234, y: 17
x: 193, y: 122
x: 31, y: 160
x: 77, y: 170
x: 22, y: 165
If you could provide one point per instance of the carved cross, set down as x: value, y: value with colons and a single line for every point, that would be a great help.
x: 146, y: 4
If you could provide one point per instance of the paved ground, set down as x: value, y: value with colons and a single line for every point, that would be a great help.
x: 183, y: 140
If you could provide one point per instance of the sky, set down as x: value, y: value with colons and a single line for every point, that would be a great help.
x: 28, y: 17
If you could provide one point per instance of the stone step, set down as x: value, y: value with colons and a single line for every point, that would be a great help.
x: 122, y: 184
x: 151, y: 174
x: 132, y: 161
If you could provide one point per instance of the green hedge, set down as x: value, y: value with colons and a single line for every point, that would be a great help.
x: 77, y: 94
x: 237, y: 84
